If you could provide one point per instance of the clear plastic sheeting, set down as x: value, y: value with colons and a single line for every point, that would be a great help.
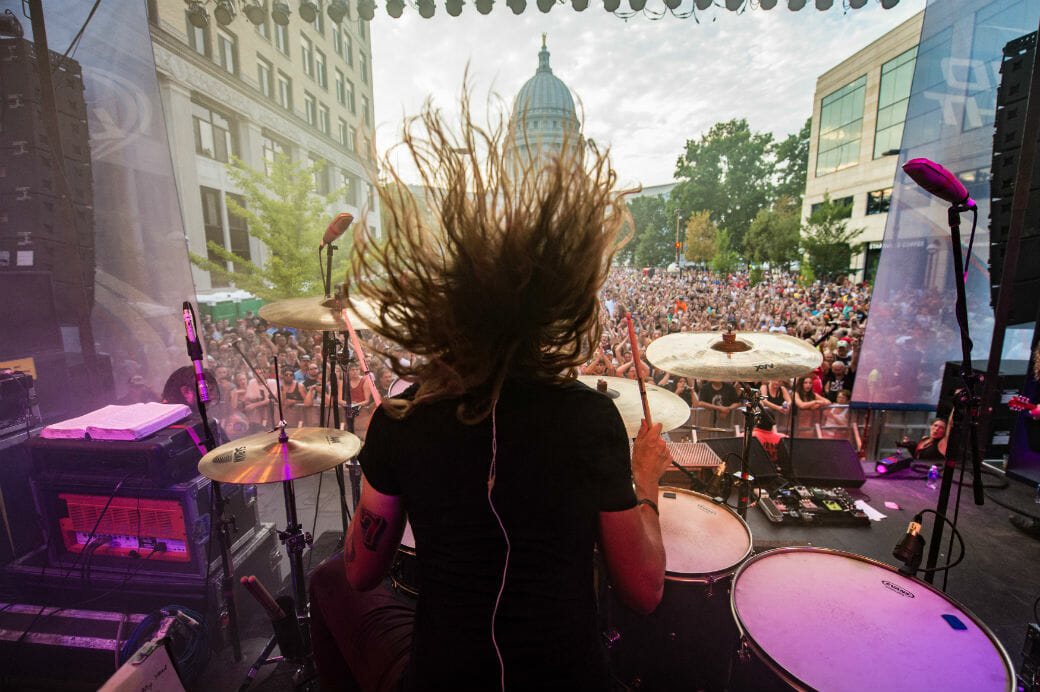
x: 912, y: 331
x: 140, y: 263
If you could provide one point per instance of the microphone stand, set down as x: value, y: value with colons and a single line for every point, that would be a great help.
x: 752, y: 406
x: 218, y: 507
x: 328, y: 347
x: 967, y: 402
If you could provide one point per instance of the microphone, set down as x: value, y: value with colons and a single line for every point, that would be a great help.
x: 194, y: 349
x: 938, y: 181
x: 336, y: 229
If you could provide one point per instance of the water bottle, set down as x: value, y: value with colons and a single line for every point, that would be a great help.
x: 933, y: 476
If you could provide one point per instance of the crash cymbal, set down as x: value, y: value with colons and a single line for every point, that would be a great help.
x: 734, y: 357
x: 318, y: 313
x: 261, y: 458
x: 666, y: 408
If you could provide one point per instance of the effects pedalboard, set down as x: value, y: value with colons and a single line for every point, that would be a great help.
x: 811, y: 507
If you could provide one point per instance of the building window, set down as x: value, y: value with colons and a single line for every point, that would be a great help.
x: 227, y: 51
x: 212, y: 133
x: 214, y: 230
x: 841, y: 124
x: 878, y: 201
x: 321, y: 178
x: 348, y: 49
x: 281, y: 38
x: 893, y: 97
x: 284, y: 91
x: 352, y: 185
x: 337, y: 40
x: 323, y: 118
x: 264, y: 77
x: 352, y: 144
x: 364, y: 111
x: 238, y: 232
x: 371, y: 195
x: 840, y: 202
x: 319, y: 69
x: 343, y: 132
x: 307, y: 56
x: 264, y: 28
x: 361, y: 23
x: 363, y: 67
x: 350, y: 97
x: 319, y: 18
x: 310, y: 109
x: 198, y: 38
x: 272, y: 149
x: 341, y: 88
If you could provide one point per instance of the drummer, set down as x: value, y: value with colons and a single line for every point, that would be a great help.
x: 508, y: 471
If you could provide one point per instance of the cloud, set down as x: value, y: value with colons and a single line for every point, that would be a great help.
x: 646, y: 86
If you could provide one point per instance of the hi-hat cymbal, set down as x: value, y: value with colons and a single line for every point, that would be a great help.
x: 261, y: 458
x: 666, y: 408
x: 733, y: 357
x: 318, y: 313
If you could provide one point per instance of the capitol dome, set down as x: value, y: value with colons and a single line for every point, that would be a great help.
x: 543, y: 111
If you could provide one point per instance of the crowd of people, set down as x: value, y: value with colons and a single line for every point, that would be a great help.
x: 830, y: 316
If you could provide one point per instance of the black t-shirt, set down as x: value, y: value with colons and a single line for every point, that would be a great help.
x: 562, y: 457
x: 725, y: 396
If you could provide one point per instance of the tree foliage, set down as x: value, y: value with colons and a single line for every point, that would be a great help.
x: 286, y: 214
x: 700, y: 237
x: 774, y: 235
x: 792, y: 163
x: 826, y: 237
x: 726, y: 259
x: 653, y: 241
x: 728, y: 172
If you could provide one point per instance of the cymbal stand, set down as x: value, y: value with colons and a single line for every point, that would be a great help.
x: 751, y: 399
x: 296, y: 541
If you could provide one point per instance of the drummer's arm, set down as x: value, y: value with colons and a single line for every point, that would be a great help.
x: 372, y: 537
x: 631, y: 539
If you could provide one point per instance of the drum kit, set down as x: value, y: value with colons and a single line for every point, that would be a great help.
x: 797, y: 618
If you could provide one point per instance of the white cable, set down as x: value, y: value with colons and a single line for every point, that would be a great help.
x: 505, y: 535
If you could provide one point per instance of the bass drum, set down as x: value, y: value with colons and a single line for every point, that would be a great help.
x: 688, y: 642
x: 819, y: 619
x: 404, y: 572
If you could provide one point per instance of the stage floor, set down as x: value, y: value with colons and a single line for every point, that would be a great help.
x: 998, y: 581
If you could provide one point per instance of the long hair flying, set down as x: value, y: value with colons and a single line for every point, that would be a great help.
x: 495, y: 271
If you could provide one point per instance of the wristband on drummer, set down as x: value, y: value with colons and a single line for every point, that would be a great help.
x: 651, y: 503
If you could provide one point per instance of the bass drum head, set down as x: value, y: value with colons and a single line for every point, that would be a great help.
x: 702, y: 538
x: 828, y: 620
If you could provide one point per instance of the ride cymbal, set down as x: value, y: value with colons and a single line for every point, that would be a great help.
x: 666, y: 408
x: 734, y: 356
x: 262, y: 458
x: 318, y: 313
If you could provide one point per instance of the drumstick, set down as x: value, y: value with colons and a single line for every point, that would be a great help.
x: 361, y: 359
x: 263, y: 597
x: 639, y: 375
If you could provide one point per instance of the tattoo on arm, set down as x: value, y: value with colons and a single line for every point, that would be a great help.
x: 372, y: 527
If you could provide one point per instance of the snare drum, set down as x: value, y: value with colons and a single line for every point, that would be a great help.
x: 688, y: 641
x: 819, y: 619
x: 404, y: 572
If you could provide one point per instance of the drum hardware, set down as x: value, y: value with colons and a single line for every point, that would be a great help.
x: 666, y: 408
x: 733, y: 356
x: 282, y: 457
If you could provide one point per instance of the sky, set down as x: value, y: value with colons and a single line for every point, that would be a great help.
x: 646, y: 86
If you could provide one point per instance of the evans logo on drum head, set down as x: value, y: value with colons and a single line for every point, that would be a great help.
x: 897, y: 588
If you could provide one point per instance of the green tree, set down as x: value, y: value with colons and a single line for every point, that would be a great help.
x: 792, y: 163
x: 284, y: 212
x: 653, y: 241
x: 700, y: 237
x: 775, y: 233
x: 826, y: 237
x: 726, y: 259
x: 729, y: 173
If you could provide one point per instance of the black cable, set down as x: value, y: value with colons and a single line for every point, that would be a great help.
x: 314, y: 525
x: 953, y: 528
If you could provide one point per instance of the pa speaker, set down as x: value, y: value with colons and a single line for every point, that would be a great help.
x: 825, y: 463
x: 759, y: 464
